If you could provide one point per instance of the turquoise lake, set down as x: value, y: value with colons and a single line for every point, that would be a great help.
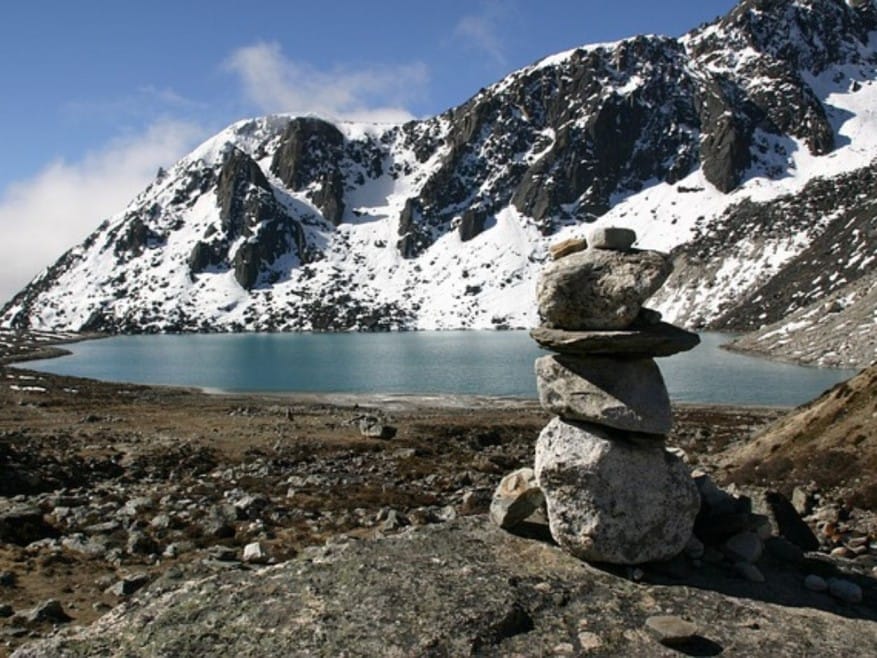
x: 496, y: 363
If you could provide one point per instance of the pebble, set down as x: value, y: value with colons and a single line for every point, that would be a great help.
x: 6, y: 610
x: 845, y: 590
x: 128, y: 585
x: 671, y: 629
x: 255, y: 553
x: 749, y: 571
x: 815, y: 583
x: 589, y: 641
x: 745, y: 546
x: 50, y: 610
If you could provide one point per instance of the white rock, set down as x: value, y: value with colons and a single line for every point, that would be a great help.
x: 516, y: 498
x: 627, y: 394
x: 255, y: 553
x: 611, y: 499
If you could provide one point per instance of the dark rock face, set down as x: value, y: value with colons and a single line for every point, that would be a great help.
x: 247, y: 209
x: 309, y: 156
x: 241, y: 205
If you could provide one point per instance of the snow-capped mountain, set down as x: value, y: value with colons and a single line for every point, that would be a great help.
x: 745, y: 146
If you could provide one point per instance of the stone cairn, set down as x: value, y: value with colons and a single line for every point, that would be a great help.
x: 612, y: 491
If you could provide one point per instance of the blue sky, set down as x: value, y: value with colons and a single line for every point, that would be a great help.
x: 96, y: 94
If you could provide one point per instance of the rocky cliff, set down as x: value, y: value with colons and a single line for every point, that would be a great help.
x: 699, y: 143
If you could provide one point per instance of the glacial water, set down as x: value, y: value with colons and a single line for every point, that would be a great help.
x: 453, y: 362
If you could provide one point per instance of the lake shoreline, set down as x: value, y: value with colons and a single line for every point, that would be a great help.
x: 437, y: 368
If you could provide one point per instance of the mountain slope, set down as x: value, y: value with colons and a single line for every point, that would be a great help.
x: 830, y: 442
x: 299, y: 223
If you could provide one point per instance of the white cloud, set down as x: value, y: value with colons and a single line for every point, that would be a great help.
x: 277, y: 84
x: 481, y: 31
x: 42, y: 217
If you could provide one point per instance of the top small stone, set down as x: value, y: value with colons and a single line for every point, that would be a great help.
x: 566, y: 247
x: 612, y: 237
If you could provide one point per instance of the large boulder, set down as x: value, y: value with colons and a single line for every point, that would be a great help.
x: 614, y: 499
x: 599, y: 289
x: 627, y: 394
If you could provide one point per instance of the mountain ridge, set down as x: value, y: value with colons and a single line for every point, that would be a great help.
x: 297, y: 223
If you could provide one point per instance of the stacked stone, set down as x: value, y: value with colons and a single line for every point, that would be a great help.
x: 613, y: 492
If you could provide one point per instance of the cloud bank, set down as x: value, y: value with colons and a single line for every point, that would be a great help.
x: 42, y: 217
x: 275, y: 83
x: 481, y: 31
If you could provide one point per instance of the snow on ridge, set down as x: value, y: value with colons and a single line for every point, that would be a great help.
x: 486, y: 281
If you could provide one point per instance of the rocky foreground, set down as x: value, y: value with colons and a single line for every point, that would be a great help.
x: 192, y: 524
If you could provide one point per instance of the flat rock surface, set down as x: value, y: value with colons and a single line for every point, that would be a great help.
x: 661, y: 339
x: 462, y: 588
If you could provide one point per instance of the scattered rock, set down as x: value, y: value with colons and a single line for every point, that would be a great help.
x: 128, y: 585
x: 374, y: 428
x: 48, y: 611
x: 517, y: 497
x: 23, y: 524
x: 6, y: 610
x: 802, y: 501
x: 815, y: 583
x: 612, y: 237
x: 845, y: 590
x: 566, y: 247
x: 784, y: 518
x: 255, y: 553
